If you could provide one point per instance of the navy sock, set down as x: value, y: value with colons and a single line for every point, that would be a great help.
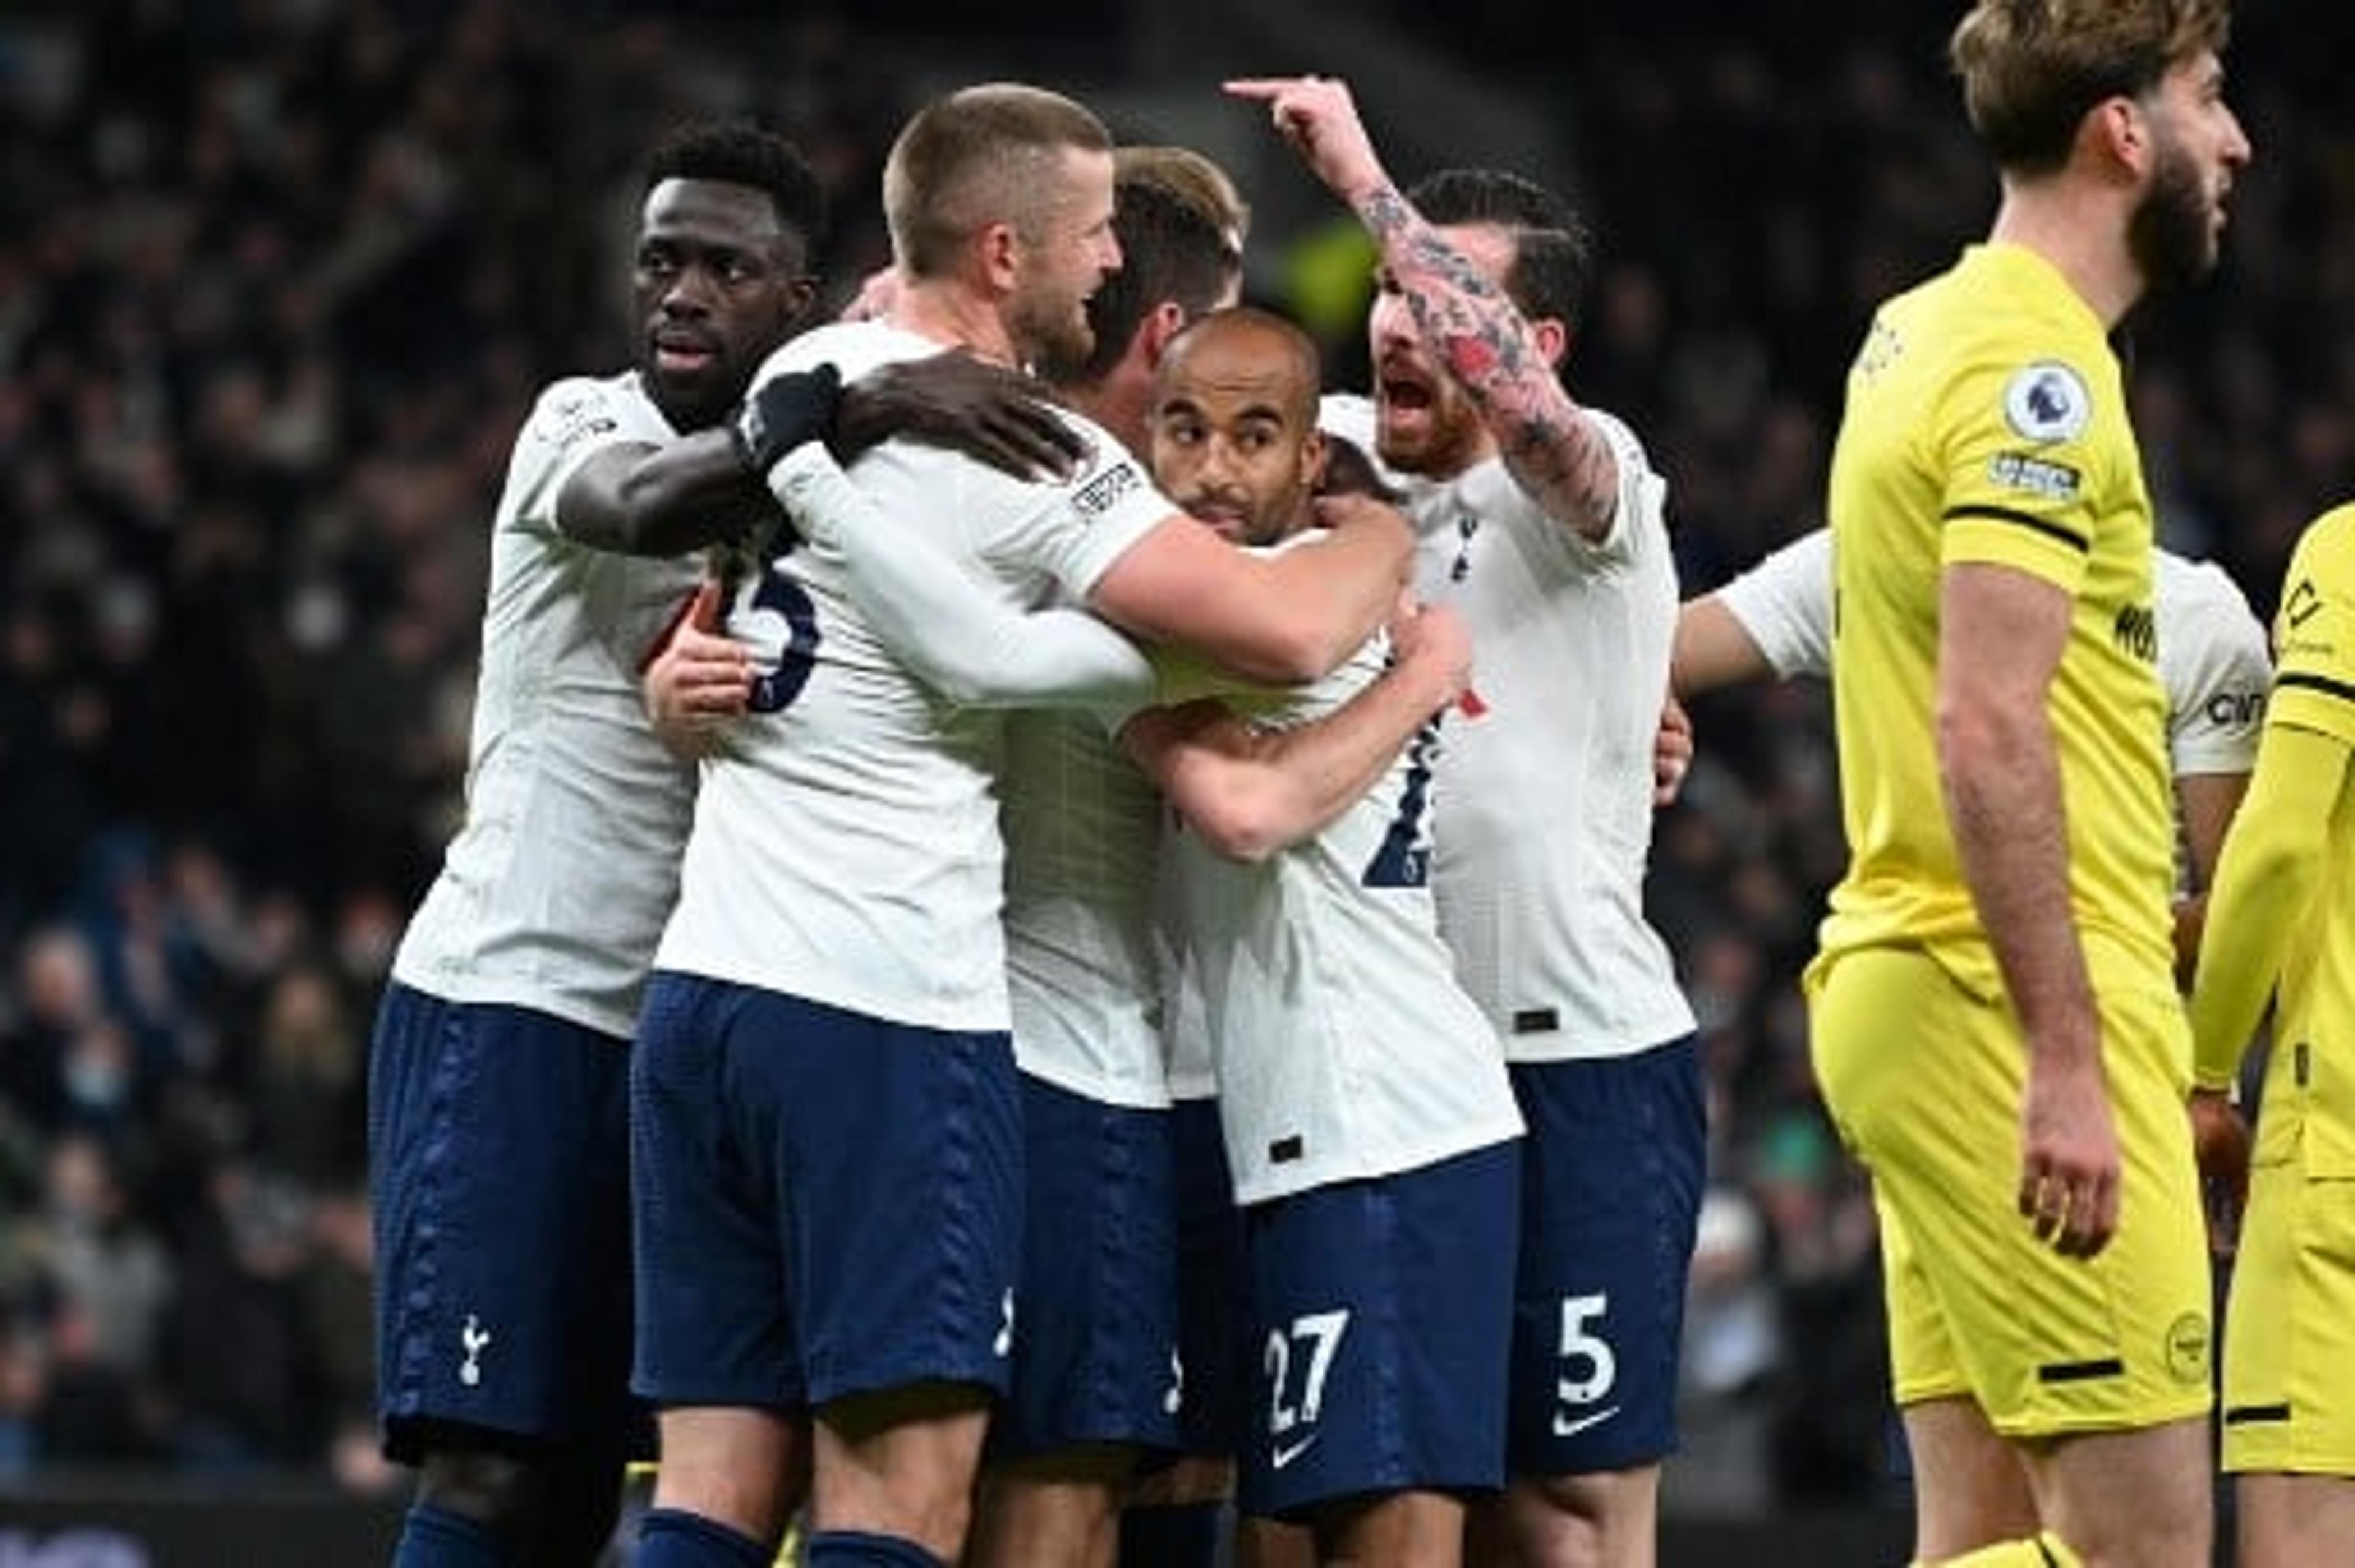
x: 673, y: 1538
x: 857, y: 1549
x: 436, y: 1538
x: 1170, y: 1535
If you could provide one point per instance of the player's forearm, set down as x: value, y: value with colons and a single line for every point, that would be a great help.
x: 1553, y: 450
x: 1322, y: 769
x: 1712, y: 649
x: 662, y: 500
x: 1303, y: 610
x: 2265, y: 881
x: 2002, y: 783
x: 2208, y: 802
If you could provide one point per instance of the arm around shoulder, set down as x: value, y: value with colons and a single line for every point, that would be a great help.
x: 1251, y: 793
x: 1285, y: 617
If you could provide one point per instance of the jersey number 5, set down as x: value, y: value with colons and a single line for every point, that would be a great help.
x: 780, y: 596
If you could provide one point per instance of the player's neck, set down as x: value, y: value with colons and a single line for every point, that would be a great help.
x: 1120, y: 409
x: 2080, y: 234
x: 938, y: 309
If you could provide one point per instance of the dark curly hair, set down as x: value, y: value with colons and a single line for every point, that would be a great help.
x: 738, y: 154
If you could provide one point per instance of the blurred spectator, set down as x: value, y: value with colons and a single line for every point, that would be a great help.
x: 1733, y: 1349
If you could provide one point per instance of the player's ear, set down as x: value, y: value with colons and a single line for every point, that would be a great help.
x: 1162, y: 323
x: 1553, y: 338
x: 1313, y: 455
x: 2116, y: 133
x: 998, y: 251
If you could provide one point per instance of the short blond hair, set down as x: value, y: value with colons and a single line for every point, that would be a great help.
x: 979, y: 156
x: 2031, y: 69
x: 1193, y: 179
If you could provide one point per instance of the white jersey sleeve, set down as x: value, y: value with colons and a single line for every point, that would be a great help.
x: 1343, y: 1049
x: 2214, y: 663
x: 1785, y: 604
x: 554, y: 891
x: 970, y: 646
x: 847, y: 849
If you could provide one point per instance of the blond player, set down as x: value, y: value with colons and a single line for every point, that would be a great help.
x: 1996, y: 1025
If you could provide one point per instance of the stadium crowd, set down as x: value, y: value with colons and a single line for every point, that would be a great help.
x: 276, y: 284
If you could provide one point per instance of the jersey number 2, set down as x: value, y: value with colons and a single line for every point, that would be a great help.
x: 1404, y: 859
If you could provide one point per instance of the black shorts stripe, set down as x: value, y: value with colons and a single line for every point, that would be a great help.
x: 2256, y: 1414
x: 2025, y: 519
x: 2081, y: 1371
x: 2321, y: 683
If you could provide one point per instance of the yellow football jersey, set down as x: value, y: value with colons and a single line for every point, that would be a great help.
x: 1986, y: 422
x: 2314, y: 688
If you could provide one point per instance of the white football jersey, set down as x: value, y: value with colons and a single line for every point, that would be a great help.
x: 2215, y: 664
x: 1192, y: 1070
x: 1543, y: 841
x: 554, y: 891
x: 845, y: 848
x: 1344, y: 1047
x: 2212, y: 659
x: 1082, y: 838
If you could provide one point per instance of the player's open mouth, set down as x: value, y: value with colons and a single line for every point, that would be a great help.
x: 1404, y: 395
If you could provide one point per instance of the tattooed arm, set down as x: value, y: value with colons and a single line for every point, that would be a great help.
x: 1506, y: 361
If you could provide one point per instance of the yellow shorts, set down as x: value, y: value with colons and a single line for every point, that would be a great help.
x: 1925, y: 1080
x: 2289, y: 1331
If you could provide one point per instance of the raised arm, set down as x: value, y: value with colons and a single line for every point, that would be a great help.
x: 2001, y: 636
x: 1250, y: 793
x: 1503, y: 359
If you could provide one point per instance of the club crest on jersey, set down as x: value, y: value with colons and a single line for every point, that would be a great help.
x: 2046, y: 402
x: 1100, y: 493
x: 571, y: 417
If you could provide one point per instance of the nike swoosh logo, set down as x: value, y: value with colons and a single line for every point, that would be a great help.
x: 1570, y: 1426
x: 1285, y: 1453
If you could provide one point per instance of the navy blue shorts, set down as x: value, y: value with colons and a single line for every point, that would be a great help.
x: 1612, y: 1167
x: 827, y: 1204
x: 499, y: 1165
x: 1383, y: 1312
x: 1096, y: 1350
x: 1213, y: 1330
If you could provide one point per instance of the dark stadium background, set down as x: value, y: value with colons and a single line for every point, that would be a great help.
x: 278, y: 278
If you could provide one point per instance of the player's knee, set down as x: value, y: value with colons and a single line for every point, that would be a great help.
x: 558, y: 1510
x: 1600, y: 1501
x: 582, y: 1504
x: 1190, y: 1480
x: 499, y: 1492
